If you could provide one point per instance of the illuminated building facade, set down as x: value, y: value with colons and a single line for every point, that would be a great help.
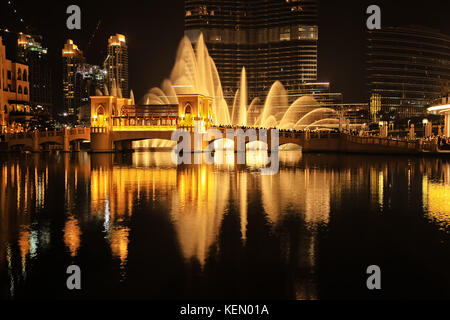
x: 31, y: 52
x: 116, y: 64
x: 14, y: 94
x: 320, y: 91
x: 72, y: 57
x: 407, y: 68
x: 272, y: 39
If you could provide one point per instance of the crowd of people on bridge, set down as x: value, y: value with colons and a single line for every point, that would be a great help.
x: 442, y: 142
x: 335, y: 130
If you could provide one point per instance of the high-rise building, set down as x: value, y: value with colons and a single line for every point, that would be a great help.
x: 31, y: 52
x: 15, y: 112
x: 116, y: 64
x: 407, y: 68
x: 272, y: 39
x: 72, y: 58
x: 320, y: 91
x: 88, y: 79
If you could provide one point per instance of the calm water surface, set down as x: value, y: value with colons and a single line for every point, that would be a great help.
x: 140, y: 227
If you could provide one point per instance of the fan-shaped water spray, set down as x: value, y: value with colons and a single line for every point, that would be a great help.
x: 313, y: 116
x: 327, y: 123
x: 195, y: 72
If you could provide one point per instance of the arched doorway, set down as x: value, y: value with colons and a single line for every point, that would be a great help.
x: 188, y: 117
x: 101, y: 119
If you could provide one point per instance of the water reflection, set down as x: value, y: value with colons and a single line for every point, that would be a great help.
x: 225, y: 216
x: 436, y: 195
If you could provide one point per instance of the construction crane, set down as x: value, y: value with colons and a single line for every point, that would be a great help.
x: 93, y: 36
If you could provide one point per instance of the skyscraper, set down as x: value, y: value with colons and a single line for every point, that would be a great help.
x: 116, y: 63
x: 31, y: 52
x: 272, y: 39
x: 72, y: 57
x: 88, y: 79
x: 407, y: 68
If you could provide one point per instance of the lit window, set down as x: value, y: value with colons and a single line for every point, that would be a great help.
x: 188, y: 13
x: 285, y: 35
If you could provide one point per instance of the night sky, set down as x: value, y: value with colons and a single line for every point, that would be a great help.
x: 154, y: 29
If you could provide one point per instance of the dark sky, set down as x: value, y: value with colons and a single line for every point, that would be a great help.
x: 154, y: 27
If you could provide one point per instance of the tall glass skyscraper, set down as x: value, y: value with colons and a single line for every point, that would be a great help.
x: 32, y: 53
x: 407, y: 69
x: 116, y: 63
x: 272, y: 39
x: 72, y: 57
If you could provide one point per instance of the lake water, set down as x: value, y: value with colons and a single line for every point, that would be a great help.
x: 140, y: 227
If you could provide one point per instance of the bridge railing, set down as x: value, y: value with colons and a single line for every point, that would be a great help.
x: 75, y: 131
x: 310, y: 135
x: 99, y: 129
x: 13, y: 136
x: 144, y: 121
x: 404, y: 144
x: 45, y: 134
x: 52, y: 133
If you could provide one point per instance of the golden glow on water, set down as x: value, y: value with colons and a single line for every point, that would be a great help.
x: 436, y: 198
x: 24, y: 245
x: 380, y: 189
x: 198, y: 207
x: 438, y: 203
x: 119, y: 243
x: 153, y: 143
x: 72, y: 235
x: 110, y: 189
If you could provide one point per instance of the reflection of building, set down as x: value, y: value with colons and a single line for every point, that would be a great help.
x: 72, y: 57
x: 436, y: 195
x: 407, y: 67
x: 31, y: 52
x: 14, y: 94
x: 274, y: 40
x: 116, y: 64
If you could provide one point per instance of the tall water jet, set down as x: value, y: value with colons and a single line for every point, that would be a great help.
x: 242, y: 111
x: 236, y: 102
x: 132, y: 97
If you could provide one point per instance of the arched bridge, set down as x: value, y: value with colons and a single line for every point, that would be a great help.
x: 68, y: 139
x: 116, y: 123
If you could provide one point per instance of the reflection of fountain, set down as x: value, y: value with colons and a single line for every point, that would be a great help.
x: 195, y: 73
